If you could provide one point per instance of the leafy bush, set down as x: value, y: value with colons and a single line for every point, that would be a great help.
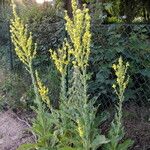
x: 129, y: 41
x: 47, y: 26
x: 13, y: 91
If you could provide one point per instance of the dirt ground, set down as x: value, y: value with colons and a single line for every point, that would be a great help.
x: 137, y: 126
x: 12, y: 131
x: 136, y: 120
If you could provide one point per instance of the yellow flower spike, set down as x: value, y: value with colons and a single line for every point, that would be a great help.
x: 80, y: 129
x: 43, y: 91
x: 120, y: 72
x: 60, y: 58
x: 79, y: 31
x: 23, y: 43
x: 119, y: 87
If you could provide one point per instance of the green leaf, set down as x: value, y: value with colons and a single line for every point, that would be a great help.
x: 27, y: 147
x: 99, y: 140
x: 67, y: 148
x: 45, y: 137
x: 102, y: 118
x: 125, y: 145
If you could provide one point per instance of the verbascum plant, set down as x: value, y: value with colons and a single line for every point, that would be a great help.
x: 61, y: 60
x: 116, y: 133
x: 43, y: 91
x: 78, y: 29
x: 65, y: 126
x: 80, y: 111
x: 25, y: 49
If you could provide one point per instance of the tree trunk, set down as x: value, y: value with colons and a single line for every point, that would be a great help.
x: 67, y: 6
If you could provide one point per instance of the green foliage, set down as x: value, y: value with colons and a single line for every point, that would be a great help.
x: 47, y: 26
x: 43, y: 128
x: 116, y: 133
x: 110, y: 41
x: 4, y: 34
x: 118, y: 8
x: 114, y: 20
x: 115, y: 9
x: 5, y: 10
x: 3, y: 56
x: 13, y: 92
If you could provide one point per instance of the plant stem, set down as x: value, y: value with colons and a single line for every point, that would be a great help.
x: 37, y: 96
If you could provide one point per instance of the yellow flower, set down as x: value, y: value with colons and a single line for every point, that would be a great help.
x: 79, y: 31
x: 80, y: 129
x: 114, y: 67
x: 60, y: 58
x: 120, y: 71
x: 43, y: 90
x: 22, y: 40
x: 114, y: 86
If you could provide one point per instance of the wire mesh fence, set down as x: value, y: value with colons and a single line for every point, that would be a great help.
x: 132, y: 42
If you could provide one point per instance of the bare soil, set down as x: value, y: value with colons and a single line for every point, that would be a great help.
x: 12, y: 131
x: 136, y: 124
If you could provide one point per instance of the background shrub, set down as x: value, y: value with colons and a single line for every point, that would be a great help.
x: 15, y: 92
x: 129, y: 41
